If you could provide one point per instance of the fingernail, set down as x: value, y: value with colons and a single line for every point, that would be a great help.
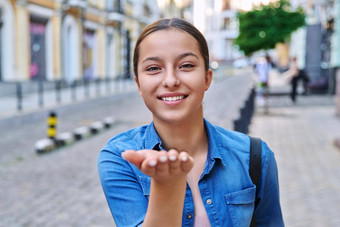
x: 184, y: 158
x: 163, y: 159
x: 172, y: 157
x: 152, y: 163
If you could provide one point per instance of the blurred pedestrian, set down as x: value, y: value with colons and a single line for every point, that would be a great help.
x: 263, y: 66
x: 294, y: 75
x: 180, y: 170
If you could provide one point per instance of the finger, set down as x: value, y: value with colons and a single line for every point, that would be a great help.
x: 137, y: 157
x: 162, y: 168
x: 186, y: 161
x: 174, y: 162
x: 148, y: 166
x: 134, y: 157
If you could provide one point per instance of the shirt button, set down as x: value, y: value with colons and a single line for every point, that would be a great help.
x: 189, y: 216
x: 208, y: 201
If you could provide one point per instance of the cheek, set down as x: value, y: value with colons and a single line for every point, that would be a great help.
x: 147, y: 85
x: 194, y: 84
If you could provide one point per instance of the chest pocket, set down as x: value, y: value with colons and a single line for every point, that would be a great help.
x: 241, y: 205
x: 145, y: 183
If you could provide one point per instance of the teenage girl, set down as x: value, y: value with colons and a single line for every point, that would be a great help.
x: 180, y: 170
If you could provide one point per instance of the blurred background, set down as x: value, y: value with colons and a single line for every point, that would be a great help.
x: 79, y: 41
x: 92, y: 39
x: 66, y: 75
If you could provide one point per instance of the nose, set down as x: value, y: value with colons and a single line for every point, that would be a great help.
x: 171, y: 79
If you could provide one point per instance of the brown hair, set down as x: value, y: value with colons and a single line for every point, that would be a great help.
x: 177, y: 23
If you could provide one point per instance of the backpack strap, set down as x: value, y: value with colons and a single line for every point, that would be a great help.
x: 255, y: 160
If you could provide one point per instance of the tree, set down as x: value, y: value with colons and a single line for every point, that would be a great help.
x: 267, y: 25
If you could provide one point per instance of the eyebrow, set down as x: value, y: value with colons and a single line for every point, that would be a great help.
x: 177, y: 58
x: 151, y: 59
x: 185, y: 55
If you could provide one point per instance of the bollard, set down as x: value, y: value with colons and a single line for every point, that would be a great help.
x: 96, y: 127
x: 64, y: 139
x: 19, y: 96
x: 58, y: 90
x: 108, y: 122
x: 107, y: 83
x: 52, y: 125
x: 86, y: 88
x: 41, y: 92
x: 98, y: 84
x: 56, y: 141
x: 81, y: 133
x: 44, y: 146
x: 241, y: 124
x: 74, y: 91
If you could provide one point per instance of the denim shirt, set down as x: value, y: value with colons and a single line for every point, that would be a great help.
x: 226, y: 188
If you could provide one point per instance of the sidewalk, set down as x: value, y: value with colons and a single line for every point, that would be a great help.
x: 32, y: 102
x: 302, y: 138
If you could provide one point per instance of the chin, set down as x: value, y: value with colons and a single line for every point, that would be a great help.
x: 174, y: 118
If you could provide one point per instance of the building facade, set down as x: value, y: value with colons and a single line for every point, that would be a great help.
x: 70, y: 39
x: 217, y: 19
x: 316, y: 45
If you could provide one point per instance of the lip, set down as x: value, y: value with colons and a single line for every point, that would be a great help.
x: 172, y: 96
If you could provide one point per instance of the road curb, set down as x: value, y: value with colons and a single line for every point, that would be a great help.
x: 47, y: 145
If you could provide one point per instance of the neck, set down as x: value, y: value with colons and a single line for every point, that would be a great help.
x: 189, y: 135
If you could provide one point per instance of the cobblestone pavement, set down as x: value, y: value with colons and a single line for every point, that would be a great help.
x: 62, y: 188
x: 302, y: 138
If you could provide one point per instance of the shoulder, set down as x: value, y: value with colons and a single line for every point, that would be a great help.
x: 268, y: 158
x: 110, y: 162
x: 230, y: 146
x: 128, y: 140
x: 231, y: 139
x: 236, y: 144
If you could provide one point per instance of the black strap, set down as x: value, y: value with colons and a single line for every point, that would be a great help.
x: 255, y: 169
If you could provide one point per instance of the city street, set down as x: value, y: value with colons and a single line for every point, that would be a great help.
x: 302, y: 138
x: 62, y: 188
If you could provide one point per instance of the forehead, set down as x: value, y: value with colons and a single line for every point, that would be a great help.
x: 168, y: 41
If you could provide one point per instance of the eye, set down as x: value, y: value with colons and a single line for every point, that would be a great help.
x: 153, y: 68
x: 187, y: 66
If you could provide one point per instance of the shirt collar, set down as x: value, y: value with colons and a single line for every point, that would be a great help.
x: 215, y: 149
x: 151, y: 139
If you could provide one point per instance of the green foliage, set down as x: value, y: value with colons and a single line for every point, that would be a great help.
x: 267, y: 25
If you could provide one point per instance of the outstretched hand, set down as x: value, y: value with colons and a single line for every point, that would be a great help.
x: 162, y: 166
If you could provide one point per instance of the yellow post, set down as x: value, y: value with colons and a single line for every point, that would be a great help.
x: 52, y: 125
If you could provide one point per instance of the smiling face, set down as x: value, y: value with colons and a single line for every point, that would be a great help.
x: 172, y: 78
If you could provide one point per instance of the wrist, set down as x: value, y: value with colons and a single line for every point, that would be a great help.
x: 171, y: 183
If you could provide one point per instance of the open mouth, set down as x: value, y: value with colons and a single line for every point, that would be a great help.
x: 173, y: 98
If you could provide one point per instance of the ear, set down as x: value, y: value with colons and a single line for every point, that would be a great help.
x: 138, y: 85
x: 208, y: 78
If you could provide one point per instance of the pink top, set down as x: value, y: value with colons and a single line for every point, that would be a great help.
x: 201, y: 216
x: 202, y: 221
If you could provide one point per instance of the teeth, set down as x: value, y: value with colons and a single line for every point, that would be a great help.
x: 171, y: 99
